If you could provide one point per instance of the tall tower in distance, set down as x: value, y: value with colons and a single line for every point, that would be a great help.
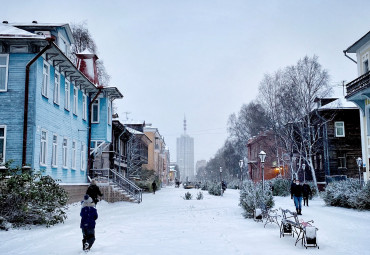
x: 185, y: 156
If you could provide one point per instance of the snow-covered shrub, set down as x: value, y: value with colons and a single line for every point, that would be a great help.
x: 199, y: 195
x: 342, y: 193
x: 32, y: 199
x: 313, y: 189
x: 363, y: 200
x: 234, y: 184
x: 215, y: 189
x: 188, y: 196
x: 205, y: 185
x: 281, y: 187
x: 252, y: 196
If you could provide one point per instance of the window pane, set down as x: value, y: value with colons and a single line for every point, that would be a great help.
x: 95, y: 113
x: 3, y: 60
x: 1, y: 132
x: 2, y: 77
x: 1, y: 149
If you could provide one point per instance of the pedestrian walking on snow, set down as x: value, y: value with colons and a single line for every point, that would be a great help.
x: 88, y: 217
x: 93, y: 191
x: 154, y: 187
x: 306, y: 190
x: 296, y: 194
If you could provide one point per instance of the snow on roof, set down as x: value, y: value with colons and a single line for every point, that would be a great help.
x: 8, y: 31
x: 134, y: 131
x: 133, y: 122
x: 340, y: 102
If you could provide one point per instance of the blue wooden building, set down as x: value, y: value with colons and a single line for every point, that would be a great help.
x: 53, y: 112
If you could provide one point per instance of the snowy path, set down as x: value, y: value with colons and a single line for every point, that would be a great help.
x: 165, y: 223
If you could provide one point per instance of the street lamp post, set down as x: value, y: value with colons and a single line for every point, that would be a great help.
x: 241, y: 162
x: 221, y: 179
x: 304, y: 171
x: 359, y: 163
x: 262, y: 156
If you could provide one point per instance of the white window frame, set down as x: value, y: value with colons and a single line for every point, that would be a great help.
x: 74, y: 154
x: 45, y: 79
x: 67, y: 95
x: 84, y: 107
x: 6, y: 72
x: 365, y: 58
x: 65, y: 152
x: 83, y: 154
x: 43, y: 147
x: 63, y: 44
x: 57, y: 87
x: 4, y: 144
x: 75, y: 100
x: 337, y: 127
x: 97, y: 102
x: 342, y: 160
x: 54, y: 151
x: 109, y: 112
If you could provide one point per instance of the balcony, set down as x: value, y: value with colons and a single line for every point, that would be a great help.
x: 358, y: 84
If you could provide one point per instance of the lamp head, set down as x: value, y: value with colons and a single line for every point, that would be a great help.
x: 262, y: 156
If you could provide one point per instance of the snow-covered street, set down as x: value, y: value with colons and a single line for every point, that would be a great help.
x: 165, y: 223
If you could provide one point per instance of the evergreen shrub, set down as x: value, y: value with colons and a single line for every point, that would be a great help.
x: 31, y: 199
x: 199, y: 195
x: 281, y: 187
x: 214, y: 189
x: 188, y: 196
x: 204, y: 185
x: 252, y: 196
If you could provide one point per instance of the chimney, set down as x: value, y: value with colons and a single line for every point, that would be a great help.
x: 86, y: 63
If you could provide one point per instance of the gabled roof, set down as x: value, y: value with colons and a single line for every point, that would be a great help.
x: 38, y: 26
x: 358, y: 44
x: 8, y: 31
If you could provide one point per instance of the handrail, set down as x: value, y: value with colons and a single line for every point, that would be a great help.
x: 118, y: 179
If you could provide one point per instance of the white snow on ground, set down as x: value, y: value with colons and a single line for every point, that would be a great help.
x: 165, y: 223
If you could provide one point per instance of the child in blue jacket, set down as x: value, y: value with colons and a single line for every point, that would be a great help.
x: 88, y: 216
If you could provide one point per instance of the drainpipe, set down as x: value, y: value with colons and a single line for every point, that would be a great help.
x: 119, y: 149
x: 345, y: 54
x: 89, y: 139
x: 26, y: 94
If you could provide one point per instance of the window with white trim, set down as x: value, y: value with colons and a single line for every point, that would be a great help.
x: 43, y: 147
x: 67, y: 100
x: 2, y: 143
x: 73, y: 154
x: 4, y: 63
x: 75, y: 101
x: 54, y: 158
x: 83, y: 160
x: 339, y: 129
x: 84, y: 106
x: 65, y: 152
x: 45, y: 79
x: 95, y: 111
x: 342, y: 160
x: 109, y: 112
x: 56, y: 88
x: 365, y: 63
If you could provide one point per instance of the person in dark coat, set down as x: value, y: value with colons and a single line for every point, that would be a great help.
x: 88, y: 217
x: 306, y: 190
x: 93, y: 191
x: 296, y: 193
x: 154, y: 187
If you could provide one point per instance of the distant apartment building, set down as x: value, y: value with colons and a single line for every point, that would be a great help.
x: 185, y: 156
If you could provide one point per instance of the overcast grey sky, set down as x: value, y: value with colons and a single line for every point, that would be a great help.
x: 203, y: 58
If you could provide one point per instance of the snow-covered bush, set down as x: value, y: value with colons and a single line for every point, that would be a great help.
x: 32, y: 199
x: 199, y: 195
x: 215, y: 189
x: 188, y: 196
x: 252, y: 196
x: 363, y: 200
x: 343, y: 193
x: 204, y: 185
x: 234, y: 184
x: 281, y: 187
